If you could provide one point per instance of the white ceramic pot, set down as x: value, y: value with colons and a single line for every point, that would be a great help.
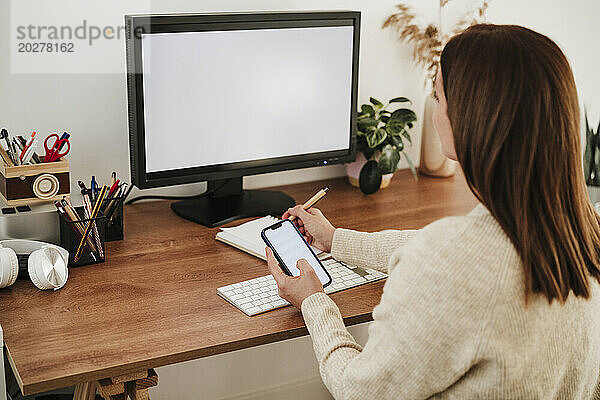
x: 353, y: 171
x: 594, y: 193
x: 433, y: 161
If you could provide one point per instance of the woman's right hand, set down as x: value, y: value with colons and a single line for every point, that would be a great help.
x: 317, y: 229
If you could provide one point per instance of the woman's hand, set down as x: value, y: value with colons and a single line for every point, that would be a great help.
x: 311, y: 223
x: 294, y: 288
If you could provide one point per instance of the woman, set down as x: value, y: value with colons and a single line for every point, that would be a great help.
x: 505, y: 301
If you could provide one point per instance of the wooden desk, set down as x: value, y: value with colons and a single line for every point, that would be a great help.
x: 154, y: 301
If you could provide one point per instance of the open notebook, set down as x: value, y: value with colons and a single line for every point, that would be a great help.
x: 246, y: 237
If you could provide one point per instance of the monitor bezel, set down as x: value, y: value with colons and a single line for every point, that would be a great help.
x: 138, y: 25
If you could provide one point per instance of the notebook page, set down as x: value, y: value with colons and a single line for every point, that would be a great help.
x: 247, y: 235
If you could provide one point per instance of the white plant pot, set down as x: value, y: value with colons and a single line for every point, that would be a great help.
x: 353, y: 171
x: 433, y: 161
x: 594, y: 193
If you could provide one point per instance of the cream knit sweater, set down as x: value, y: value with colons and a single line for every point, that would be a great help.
x: 452, y: 321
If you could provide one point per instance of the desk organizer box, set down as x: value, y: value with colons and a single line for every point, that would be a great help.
x: 27, y: 184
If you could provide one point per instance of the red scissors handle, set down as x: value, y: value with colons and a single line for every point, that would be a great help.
x: 53, y: 152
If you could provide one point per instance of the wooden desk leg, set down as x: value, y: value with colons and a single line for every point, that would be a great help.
x: 85, y: 391
x: 133, y: 386
x: 134, y: 393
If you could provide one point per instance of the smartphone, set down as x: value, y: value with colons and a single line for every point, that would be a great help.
x: 289, y: 246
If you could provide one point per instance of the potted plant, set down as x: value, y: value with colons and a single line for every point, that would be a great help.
x: 427, y: 42
x: 591, y: 161
x: 381, y: 137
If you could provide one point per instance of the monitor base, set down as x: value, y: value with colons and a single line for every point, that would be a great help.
x: 215, y: 211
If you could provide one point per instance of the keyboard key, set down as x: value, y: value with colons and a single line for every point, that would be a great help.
x: 253, y: 310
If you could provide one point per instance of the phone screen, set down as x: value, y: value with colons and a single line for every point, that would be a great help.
x: 289, y: 246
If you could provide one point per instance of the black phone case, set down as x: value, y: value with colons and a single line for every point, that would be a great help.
x: 279, y: 260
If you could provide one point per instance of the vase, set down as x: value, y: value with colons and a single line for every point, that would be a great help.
x: 594, y: 193
x: 433, y: 161
x: 353, y: 171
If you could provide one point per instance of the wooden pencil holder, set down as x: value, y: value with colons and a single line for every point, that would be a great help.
x: 34, y: 183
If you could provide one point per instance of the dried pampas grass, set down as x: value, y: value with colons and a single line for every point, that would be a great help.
x: 428, y: 41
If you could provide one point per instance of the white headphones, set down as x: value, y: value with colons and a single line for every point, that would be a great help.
x: 46, y: 264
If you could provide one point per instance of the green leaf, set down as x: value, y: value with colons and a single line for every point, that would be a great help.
x: 365, y: 123
x: 376, y: 138
x: 367, y: 109
x: 394, y: 127
x: 361, y: 143
x: 400, y: 100
x: 389, y: 159
x: 406, y: 136
x: 411, y: 166
x: 362, y: 115
x: 404, y: 115
x: 397, y: 141
x: 378, y: 105
x: 368, y: 152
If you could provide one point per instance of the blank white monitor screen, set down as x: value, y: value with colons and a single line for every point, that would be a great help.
x: 221, y: 97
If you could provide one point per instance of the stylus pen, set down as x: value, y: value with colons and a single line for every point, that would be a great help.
x: 312, y: 201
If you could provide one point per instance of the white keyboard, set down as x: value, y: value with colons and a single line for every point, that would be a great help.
x: 259, y: 295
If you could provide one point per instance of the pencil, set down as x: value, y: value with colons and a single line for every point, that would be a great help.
x: 89, y: 224
x: 312, y: 201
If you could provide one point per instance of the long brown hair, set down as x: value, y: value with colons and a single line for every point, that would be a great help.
x: 514, y: 111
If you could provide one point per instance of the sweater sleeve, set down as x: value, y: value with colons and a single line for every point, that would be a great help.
x: 368, y: 250
x: 425, y: 332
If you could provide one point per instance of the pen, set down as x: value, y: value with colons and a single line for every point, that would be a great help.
x: 4, y: 135
x: 113, y: 178
x: 87, y: 211
x: 16, y: 149
x: 28, y: 154
x: 26, y: 147
x: 93, y: 187
x: 74, y: 227
x: 312, y: 201
x: 89, y: 224
x: 6, y: 157
x: 73, y: 217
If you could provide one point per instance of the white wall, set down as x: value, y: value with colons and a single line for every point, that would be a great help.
x: 93, y: 108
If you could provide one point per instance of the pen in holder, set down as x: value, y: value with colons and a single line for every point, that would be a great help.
x: 71, y: 233
x: 112, y: 208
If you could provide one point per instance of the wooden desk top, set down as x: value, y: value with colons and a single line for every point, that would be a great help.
x: 154, y: 301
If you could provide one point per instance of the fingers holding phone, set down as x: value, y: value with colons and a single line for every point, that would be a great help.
x: 294, y: 289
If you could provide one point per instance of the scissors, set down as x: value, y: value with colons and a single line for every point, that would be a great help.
x: 53, y: 152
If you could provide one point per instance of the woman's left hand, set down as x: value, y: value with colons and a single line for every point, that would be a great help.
x: 294, y: 288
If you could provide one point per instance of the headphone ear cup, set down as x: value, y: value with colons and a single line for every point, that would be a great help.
x: 9, y: 267
x: 47, y: 268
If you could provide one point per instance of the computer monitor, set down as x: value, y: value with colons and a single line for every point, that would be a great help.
x: 215, y: 97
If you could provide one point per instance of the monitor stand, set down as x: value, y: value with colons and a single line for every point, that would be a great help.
x: 230, y: 202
